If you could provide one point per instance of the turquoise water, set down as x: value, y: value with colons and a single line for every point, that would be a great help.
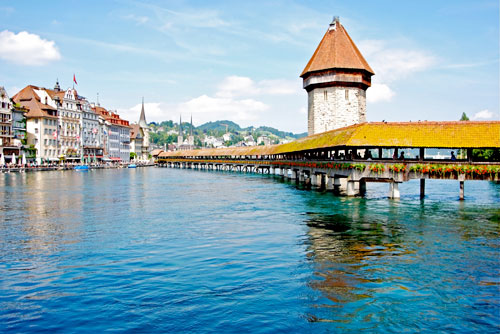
x: 180, y: 251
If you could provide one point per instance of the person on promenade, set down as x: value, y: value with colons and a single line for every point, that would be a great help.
x: 453, y: 157
x: 402, y: 156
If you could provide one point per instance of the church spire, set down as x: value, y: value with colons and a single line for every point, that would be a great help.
x: 191, y: 125
x: 57, y: 88
x: 142, y: 119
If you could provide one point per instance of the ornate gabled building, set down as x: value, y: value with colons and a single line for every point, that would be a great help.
x: 336, y: 79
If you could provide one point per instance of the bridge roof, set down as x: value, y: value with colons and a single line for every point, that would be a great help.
x: 459, y: 134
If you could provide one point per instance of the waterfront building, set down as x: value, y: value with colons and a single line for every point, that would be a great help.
x: 91, y: 132
x: 336, y: 79
x: 69, y: 138
x: 117, y: 132
x: 12, y: 127
x: 136, y: 140
x: 41, y: 121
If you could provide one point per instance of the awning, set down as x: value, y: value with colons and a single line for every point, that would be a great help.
x: 115, y: 159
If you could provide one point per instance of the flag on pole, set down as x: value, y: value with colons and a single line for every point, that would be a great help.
x: 54, y: 134
x: 74, y: 79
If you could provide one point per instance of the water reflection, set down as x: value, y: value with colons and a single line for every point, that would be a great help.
x: 406, y: 257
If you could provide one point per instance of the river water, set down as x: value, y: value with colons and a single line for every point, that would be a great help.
x: 181, y: 251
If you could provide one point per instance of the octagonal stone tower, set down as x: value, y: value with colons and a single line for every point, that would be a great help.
x: 336, y: 78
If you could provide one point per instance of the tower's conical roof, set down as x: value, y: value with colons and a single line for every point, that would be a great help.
x: 142, y: 118
x: 336, y: 51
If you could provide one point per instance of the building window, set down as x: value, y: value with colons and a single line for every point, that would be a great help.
x: 347, y: 94
x: 36, y: 130
x: 325, y: 95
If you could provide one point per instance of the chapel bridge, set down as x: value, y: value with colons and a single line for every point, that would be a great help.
x: 344, y: 160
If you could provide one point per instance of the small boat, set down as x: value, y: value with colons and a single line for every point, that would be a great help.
x: 132, y: 166
x: 82, y: 167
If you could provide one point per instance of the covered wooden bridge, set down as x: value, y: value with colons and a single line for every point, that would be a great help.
x: 343, y: 160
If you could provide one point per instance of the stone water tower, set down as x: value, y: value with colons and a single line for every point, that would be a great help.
x: 336, y: 78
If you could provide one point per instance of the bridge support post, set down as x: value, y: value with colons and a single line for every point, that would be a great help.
x: 351, y: 191
x: 302, y: 176
x: 329, y: 182
x: 394, y: 190
x: 293, y: 175
x: 336, y: 185
x: 314, y: 179
x: 462, y: 190
x: 422, y: 188
x: 322, y: 181
x: 362, y: 187
x: 307, y: 178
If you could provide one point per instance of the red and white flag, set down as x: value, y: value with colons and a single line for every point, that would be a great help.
x: 54, y: 134
x: 77, y: 137
x: 94, y: 130
x: 74, y: 79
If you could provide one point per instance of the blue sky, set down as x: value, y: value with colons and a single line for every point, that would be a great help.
x: 241, y: 60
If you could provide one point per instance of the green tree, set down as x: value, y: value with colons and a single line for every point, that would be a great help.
x: 464, y: 117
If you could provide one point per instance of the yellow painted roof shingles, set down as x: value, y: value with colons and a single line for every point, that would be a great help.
x: 406, y: 134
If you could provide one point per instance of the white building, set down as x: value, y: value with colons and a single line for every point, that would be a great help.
x: 42, y: 121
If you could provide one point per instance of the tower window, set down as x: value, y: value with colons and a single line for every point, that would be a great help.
x: 346, y: 94
x: 325, y: 95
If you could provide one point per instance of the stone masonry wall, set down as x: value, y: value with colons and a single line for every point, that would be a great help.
x: 331, y: 108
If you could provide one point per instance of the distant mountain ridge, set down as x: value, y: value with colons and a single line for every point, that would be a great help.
x: 234, y: 127
x: 166, y: 132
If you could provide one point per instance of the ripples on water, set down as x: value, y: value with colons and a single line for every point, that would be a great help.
x: 187, y: 251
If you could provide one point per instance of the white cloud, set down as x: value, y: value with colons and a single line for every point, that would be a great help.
x: 203, y: 108
x: 237, y: 99
x: 483, y: 114
x: 234, y: 86
x: 27, y: 49
x: 208, y: 108
x: 392, y: 63
x: 379, y: 92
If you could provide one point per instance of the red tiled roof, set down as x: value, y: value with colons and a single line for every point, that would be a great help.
x: 336, y: 51
x: 31, y: 101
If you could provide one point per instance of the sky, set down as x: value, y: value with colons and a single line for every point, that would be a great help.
x: 241, y: 60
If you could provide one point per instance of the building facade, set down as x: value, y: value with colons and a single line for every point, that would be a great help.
x: 116, y: 136
x: 42, y: 122
x: 12, y: 128
x: 336, y: 79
